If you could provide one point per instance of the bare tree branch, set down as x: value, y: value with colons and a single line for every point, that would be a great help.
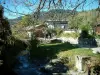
x: 79, y: 4
x: 49, y: 4
x: 14, y: 11
x: 41, y: 4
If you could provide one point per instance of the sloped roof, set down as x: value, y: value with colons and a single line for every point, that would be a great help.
x: 58, y: 22
x: 28, y: 28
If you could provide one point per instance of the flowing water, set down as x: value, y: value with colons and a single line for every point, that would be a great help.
x: 26, y: 68
x: 37, y: 67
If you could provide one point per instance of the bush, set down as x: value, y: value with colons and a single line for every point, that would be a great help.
x: 33, y: 47
x: 86, y: 40
x: 97, y: 36
x: 84, y: 33
x: 96, y: 69
x: 58, y: 31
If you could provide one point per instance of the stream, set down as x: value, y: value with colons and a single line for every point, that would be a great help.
x: 37, y: 67
x: 26, y: 68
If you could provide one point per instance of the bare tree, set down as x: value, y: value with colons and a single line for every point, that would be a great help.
x: 38, y: 5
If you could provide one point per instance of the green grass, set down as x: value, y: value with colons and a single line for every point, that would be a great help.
x: 50, y: 50
x: 54, y: 44
x: 74, y: 35
x: 64, y: 51
x: 78, y: 51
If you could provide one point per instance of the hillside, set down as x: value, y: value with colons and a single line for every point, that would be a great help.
x: 14, y: 21
x: 77, y: 21
x: 54, y: 14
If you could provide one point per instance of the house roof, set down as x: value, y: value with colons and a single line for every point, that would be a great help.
x: 58, y: 22
x: 28, y: 28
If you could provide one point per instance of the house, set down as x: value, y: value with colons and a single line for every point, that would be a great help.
x: 57, y: 24
x: 97, y: 29
x: 28, y: 30
x: 37, y: 29
x: 41, y: 30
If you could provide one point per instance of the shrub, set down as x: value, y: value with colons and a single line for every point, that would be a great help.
x: 96, y: 69
x: 33, y: 47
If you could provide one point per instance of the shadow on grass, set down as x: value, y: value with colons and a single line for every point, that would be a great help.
x: 50, y: 50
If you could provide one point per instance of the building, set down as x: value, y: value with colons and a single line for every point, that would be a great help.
x: 29, y: 30
x: 41, y: 30
x: 37, y: 29
x: 57, y: 24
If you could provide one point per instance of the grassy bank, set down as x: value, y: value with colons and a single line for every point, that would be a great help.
x: 65, y: 55
x: 77, y: 51
x: 65, y: 51
x: 67, y: 35
x: 50, y: 50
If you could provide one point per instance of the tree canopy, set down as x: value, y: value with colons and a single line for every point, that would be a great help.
x: 27, y: 20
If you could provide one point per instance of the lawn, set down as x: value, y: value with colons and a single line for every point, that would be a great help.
x: 64, y: 51
x: 65, y: 55
x: 67, y: 35
x: 77, y: 51
x: 50, y: 50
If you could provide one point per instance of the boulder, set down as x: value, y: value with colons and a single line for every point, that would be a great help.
x: 56, y: 66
